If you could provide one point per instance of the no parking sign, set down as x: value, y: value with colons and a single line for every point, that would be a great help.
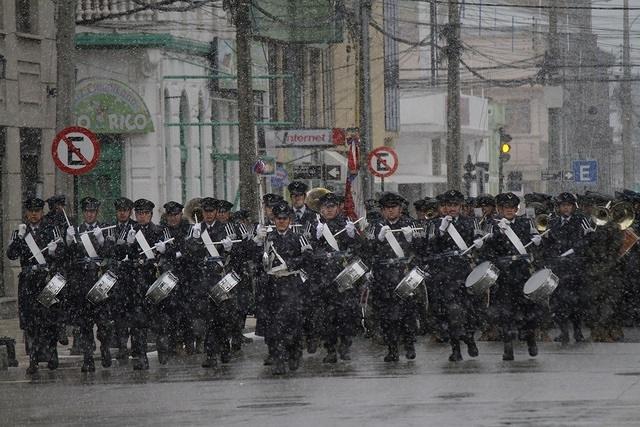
x: 75, y: 150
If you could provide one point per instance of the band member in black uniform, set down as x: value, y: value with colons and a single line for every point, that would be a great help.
x: 569, y: 301
x: 220, y: 317
x: 630, y: 262
x: 86, y: 252
x: 302, y: 214
x: 397, y: 316
x: 509, y: 306
x: 452, y: 304
x: 283, y: 258
x: 39, y: 323
x: 339, y: 309
x: 122, y: 265
x: 145, y: 274
x: 172, y: 314
x: 55, y: 216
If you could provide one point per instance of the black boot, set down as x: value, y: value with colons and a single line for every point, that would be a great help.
x: 331, y: 357
x: 33, y: 364
x: 472, y: 347
x: 279, y: 368
x: 75, y: 346
x: 508, y: 351
x: 410, y: 351
x: 392, y: 355
x: 105, y: 355
x: 344, y: 348
x: 141, y: 363
x: 163, y: 349
x: 531, y: 344
x: 268, y: 361
x: 312, y: 345
x: 53, y: 361
x: 11, y: 353
x: 294, y: 363
x: 563, y: 338
x: 210, y: 361
x: 62, y: 336
x: 456, y: 355
x: 577, y: 332
x: 88, y: 364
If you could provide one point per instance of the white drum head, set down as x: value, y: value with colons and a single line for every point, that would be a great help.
x: 538, y: 279
x: 477, y: 274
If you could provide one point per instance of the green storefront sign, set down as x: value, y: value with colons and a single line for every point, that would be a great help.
x: 109, y: 106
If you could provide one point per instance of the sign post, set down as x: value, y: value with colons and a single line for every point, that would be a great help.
x: 382, y: 162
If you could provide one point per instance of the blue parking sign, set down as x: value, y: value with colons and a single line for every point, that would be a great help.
x: 585, y: 171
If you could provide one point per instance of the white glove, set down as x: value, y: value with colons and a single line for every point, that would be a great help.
x: 178, y: 254
x: 478, y: 243
x: 408, y: 233
x: 227, y: 244
x: 161, y: 247
x: 97, y: 233
x: 307, y: 247
x: 70, y: 233
x: 131, y: 236
x: 383, y: 232
x: 369, y: 275
x: 51, y: 248
x: 196, y: 231
x: 22, y: 230
x: 319, y: 230
x: 536, y: 239
x: 444, y: 223
x: 261, y: 234
x: 351, y: 229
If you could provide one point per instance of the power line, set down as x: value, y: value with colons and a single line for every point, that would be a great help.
x: 538, y: 7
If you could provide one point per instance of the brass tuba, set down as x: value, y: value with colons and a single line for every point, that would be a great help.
x: 621, y: 214
x: 313, y: 197
x: 193, y: 209
x: 541, y: 222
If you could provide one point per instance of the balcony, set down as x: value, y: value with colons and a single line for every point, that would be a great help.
x: 120, y: 10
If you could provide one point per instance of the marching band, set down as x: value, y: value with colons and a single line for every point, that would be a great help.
x: 507, y: 268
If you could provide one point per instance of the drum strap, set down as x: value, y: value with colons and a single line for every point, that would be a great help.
x: 515, y: 240
x: 144, y: 245
x: 457, y: 238
x: 330, y: 238
x: 88, y: 246
x: 35, y: 250
x: 393, y: 242
x: 211, y: 248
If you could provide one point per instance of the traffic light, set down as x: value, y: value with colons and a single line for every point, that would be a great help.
x: 505, y: 147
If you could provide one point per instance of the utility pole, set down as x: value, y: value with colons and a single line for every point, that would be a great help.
x: 553, y: 113
x: 65, y: 82
x: 364, y: 77
x: 454, y: 170
x: 627, y: 107
x: 247, y: 150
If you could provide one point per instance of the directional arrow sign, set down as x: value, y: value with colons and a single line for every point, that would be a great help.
x: 332, y: 173
x: 567, y: 176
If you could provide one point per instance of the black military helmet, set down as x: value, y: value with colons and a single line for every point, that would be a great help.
x: 329, y: 199
x: 241, y: 214
x: 627, y: 195
x: 281, y: 210
x: 485, y: 200
x: 122, y: 203
x: 173, y: 208
x: 420, y: 204
x: 58, y: 199
x: 592, y: 198
x: 143, y: 205
x: 389, y: 199
x: 451, y: 196
x: 224, y: 206
x: 507, y: 200
x: 33, y: 204
x: 297, y: 188
x: 271, y: 199
x: 566, y: 197
x: 89, y: 204
x: 209, y: 204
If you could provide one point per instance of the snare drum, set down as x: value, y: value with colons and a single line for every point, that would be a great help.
x: 483, y: 277
x: 100, y: 291
x: 407, y: 286
x: 222, y: 290
x: 541, y: 285
x: 48, y: 295
x: 162, y: 287
x: 350, y: 275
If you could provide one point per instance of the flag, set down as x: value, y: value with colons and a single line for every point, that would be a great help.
x: 353, y: 205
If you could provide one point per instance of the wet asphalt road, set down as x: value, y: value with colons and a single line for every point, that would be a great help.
x: 582, y: 385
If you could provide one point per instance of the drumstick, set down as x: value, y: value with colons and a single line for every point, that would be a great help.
x: 156, y: 245
x: 102, y: 229
x: 486, y: 236
x: 345, y: 229
x: 541, y: 235
x: 399, y: 230
x: 220, y: 242
x: 46, y: 248
x: 69, y: 224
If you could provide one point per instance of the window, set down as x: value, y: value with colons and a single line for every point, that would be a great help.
x: 30, y: 148
x: 518, y: 117
x: 436, y: 157
x: 3, y: 67
x: 27, y: 16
